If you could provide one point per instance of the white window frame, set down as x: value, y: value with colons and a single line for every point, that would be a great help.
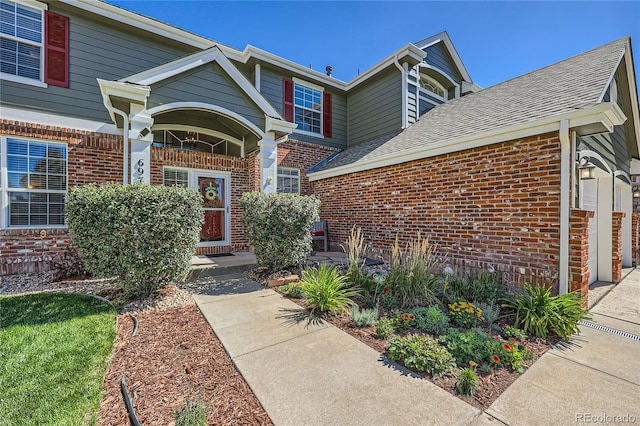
x: 306, y: 84
x: 434, y: 82
x: 4, y: 183
x: 280, y: 173
x: 180, y: 169
x: 24, y: 80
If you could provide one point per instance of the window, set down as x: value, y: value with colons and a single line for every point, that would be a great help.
x: 34, y: 44
x: 288, y: 180
x: 432, y: 86
x: 21, y: 40
x: 308, y: 109
x: 176, y: 177
x: 309, y: 106
x: 36, y: 182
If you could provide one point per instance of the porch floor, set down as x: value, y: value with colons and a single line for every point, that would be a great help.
x: 209, y: 266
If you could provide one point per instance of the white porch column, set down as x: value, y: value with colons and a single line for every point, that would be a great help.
x: 268, y: 163
x: 141, y: 139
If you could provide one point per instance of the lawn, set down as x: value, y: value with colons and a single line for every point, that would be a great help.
x: 53, y: 356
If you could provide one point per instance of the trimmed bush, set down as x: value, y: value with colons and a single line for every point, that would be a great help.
x: 277, y: 225
x: 421, y: 353
x: 145, y: 235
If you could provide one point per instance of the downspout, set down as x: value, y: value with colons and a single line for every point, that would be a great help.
x: 125, y: 155
x: 565, y: 191
x: 405, y: 89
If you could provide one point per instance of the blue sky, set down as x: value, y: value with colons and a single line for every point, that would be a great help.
x: 496, y: 40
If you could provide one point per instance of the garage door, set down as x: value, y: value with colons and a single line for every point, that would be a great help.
x: 590, y: 202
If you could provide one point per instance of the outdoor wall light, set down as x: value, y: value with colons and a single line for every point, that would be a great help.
x: 636, y: 193
x: 587, y: 170
x: 269, y: 180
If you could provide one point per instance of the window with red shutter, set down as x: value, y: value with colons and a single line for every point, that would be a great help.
x: 56, y: 53
x: 326, y: 114
x: 287, y: 99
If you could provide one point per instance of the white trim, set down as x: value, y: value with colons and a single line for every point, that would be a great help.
x: 207, y: 107
x: 308, y: 84
x: 276, y: 125
x: 34, y: 117
x: 631, y: 79
x: 439, y: 71
x: 202, y: 130
x: 612, y: 76
x: 444, y: 37
x: 257, y: 77
x: 624, y: 174
x: 193, y: 183
x: 565, y: 204
x: 308, y: 133
x: 24, y: 80
x: 128, y: 91
x: 297, y: 178
x: 142, y: 22
x: 187, y: 63
x: 600, y: 114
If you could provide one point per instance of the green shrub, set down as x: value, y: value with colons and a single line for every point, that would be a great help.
x: 514, y: 333
x: 468, y: 345
x: 364, y: 317
x: 327, y: 290
x: 293, y: 289
x: 410, y: 279
x: 484, y: 288
x: 384, y: 328
x: 465, y: 314
x: 277, y: 225
x: 467, y: 382
x: 192, y: 413
x: 145, y: 235
x: 490, y: 312
x: 421, y: 353
x: 431, y: 320
x: 539, y: 313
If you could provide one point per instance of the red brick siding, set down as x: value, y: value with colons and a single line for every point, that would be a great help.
x: 635, y: 230
x: 303, y: 156
x: 616, y: 246
x: 495, y: 204
x: 579, y: 250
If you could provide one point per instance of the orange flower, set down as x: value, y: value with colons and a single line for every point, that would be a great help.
x: 495, y: 359
x: 472, y: 363
x: 507, y: 347
x: 512, y: 340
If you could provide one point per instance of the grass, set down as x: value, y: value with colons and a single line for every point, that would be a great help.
x: 53, y: 357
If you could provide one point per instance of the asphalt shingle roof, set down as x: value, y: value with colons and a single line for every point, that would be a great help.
x: 574, y: 83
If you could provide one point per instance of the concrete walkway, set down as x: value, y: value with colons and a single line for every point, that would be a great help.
x: 311, y: 373
x: 595, y: 378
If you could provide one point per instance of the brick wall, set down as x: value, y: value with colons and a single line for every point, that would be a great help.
x: 303, y: 156
x: 498, y: 204
x: 579, y: 251
x: 616, y: 246
x: 635, y: 231
x: 91, y: 157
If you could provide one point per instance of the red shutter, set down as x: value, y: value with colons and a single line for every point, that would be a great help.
x: 287, y: 99
x: 56, y: 49
x: 326, y: 114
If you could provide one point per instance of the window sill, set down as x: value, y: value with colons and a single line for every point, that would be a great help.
x: 306, y: 133
x: 23, y: 80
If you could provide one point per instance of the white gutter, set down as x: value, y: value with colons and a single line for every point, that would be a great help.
x: 405, y: 90
x: 565, y: 186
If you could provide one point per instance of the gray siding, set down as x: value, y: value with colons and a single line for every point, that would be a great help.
x: 97, y: 49
x: 375, y: 108
x: 438, y: 57
x: 612, y: 147
x: 208, y: 84
x: 271, y: 89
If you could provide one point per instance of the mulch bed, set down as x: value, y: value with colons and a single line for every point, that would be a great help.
x: 175, y: 355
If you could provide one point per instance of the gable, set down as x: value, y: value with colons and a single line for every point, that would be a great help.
x: 439, y: 57
x: 208, y: 84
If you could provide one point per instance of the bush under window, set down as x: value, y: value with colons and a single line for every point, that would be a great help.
x: 144, y: 235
